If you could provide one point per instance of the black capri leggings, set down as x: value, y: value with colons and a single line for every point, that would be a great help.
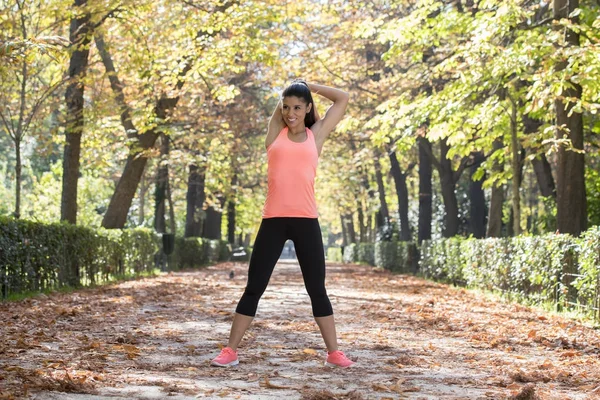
x: 272, y: 235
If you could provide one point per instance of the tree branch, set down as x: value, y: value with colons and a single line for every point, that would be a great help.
x: 41, y: 100
x: 464, y: 163
x: 9, y: 127
x: 116, y: 86
x: 106, y: 16
x: 525, y: 27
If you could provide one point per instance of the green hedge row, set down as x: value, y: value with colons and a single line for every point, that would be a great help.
x: 538, y: 269
x: 37, y: 257
x: 527, y: 266
x: 195, y: 251
x: 588, y: 260
x: 334, y: 254
x: 400, y: 257
x: 557, y: 268
x: 359, y: 253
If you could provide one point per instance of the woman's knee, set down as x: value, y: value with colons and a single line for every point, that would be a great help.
x: 254, y: 292
x: 316, y: 289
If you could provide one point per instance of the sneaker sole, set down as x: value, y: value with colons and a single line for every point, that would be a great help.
x: 231, y: 364
x: 327, y: 364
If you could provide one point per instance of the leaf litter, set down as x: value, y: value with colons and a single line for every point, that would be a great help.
x: 411, y: 338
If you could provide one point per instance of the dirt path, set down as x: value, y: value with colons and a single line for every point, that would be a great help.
x: 413, y: 339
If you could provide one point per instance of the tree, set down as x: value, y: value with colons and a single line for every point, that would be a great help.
x: 30, y: 77
x: 195, y: 199
x: 425, y: 189
x: 80, y: 38
x: 494, y: 226
x: 571, y: 195
x: 222, y: 33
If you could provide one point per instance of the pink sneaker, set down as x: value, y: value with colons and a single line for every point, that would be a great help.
x: 338, y: 359
x: 227, y: 358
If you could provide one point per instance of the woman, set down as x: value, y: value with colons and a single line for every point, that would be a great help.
x: 294, y: 142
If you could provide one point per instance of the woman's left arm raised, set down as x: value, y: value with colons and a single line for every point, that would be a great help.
x: 334, y: 114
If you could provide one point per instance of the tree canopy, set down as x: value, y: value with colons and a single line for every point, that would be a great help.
x: 499, y: 97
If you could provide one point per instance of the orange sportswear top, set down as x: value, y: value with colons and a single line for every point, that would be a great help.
x: 292, y: 168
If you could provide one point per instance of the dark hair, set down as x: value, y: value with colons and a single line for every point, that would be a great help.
x: 299, y: 88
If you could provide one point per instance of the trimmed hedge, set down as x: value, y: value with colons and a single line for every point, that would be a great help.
x: 587, y: 284
x: 552, y: 268
x: 195, y: 251
x: 540, y: 269
x: 365, y: 253
x: 334, y: 254
x: 400, y: 257
x: 350, y: 254
x: 37, y: 257
x: 359, y: 253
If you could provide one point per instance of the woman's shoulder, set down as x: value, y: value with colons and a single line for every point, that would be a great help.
x: 281, y: 132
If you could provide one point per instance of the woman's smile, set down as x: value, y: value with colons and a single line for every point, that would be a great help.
x: 294, y: 110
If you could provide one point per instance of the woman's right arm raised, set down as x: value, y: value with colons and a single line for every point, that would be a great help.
x: 276, y: 124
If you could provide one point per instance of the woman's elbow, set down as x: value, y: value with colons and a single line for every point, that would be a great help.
x: 344, y: 98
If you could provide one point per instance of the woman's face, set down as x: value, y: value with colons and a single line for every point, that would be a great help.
x: 294, y: 110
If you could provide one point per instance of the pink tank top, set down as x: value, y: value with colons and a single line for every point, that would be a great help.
x: 292, y: 168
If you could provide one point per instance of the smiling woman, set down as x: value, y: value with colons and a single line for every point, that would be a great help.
x: 294, y: 142
x: 297, y: 108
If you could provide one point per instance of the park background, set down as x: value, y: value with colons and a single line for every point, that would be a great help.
x: 469, y: 150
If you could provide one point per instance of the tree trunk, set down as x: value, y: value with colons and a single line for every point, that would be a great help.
x: 571, y: 199
x: 494, y: 228
x: 80, y: 31
x: 402, y: 193
x: 160, y: 192
x: 231, y: 221
x: 142, y: 195
x: 541, y: 166
x: 510, y: 229
x: 344, y: 233
x: 425, y: 189
x: 361, y: 221
x: 365, y: 220
x: 18, y: 178
x: 478, y: 211
x: 543, y: 173
x: 383, y: 215
x: 195, y: 201
x: 18, y: 134
x: 120, y: 202
x: 447, y: 178
x: 515, y: 148
x: 172, y: 224
x: 348, y: 224
x: 212, y: 225
x: 231, y: 211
